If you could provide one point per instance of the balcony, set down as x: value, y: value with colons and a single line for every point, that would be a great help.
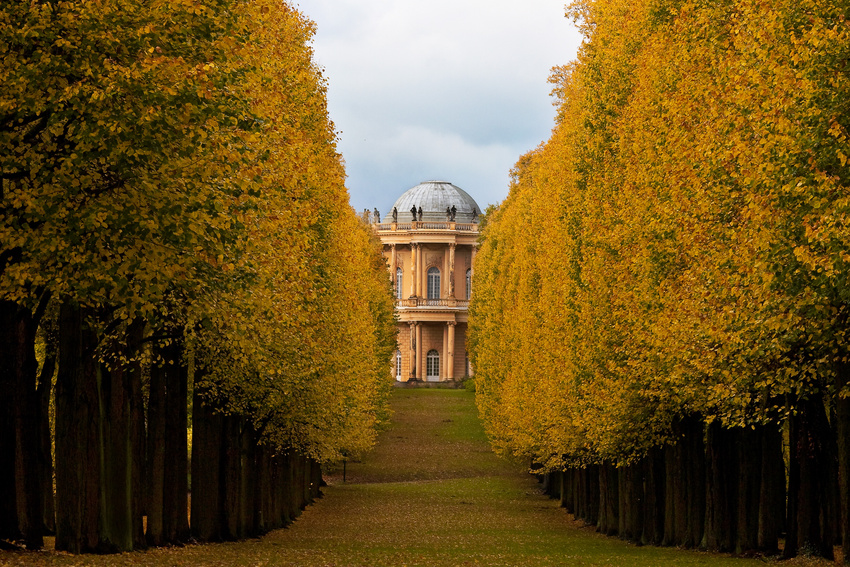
x: 425, y: 225
x: 422, y: 302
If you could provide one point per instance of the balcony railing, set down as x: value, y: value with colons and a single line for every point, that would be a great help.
x: 422, y: 302
x: 404, y: 226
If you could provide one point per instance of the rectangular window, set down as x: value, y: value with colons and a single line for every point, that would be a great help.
x: 433, y: 283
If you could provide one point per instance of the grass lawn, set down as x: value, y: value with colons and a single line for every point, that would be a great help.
x: 430, y: 494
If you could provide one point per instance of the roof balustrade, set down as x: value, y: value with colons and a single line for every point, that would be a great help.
x: 423, y: 302
x: 425, y: 225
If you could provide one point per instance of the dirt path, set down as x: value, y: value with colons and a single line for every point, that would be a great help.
x: 430, y: 494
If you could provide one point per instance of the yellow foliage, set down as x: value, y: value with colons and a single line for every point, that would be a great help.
x: 678, y: 246
x: 175, y: 162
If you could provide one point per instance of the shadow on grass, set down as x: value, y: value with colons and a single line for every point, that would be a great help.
x: 430, y: 494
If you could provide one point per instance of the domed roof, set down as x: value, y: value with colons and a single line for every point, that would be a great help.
x: 435, y: 197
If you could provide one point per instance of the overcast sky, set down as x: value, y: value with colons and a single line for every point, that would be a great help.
x: 452, y: 90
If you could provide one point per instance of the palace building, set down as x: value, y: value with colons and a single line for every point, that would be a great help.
x: 429, y: 242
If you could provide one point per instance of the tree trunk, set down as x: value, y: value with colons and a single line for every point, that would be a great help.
x: 138, y: 434
x: 581, y: 494
x: 695, y: 484
x: 207, y: 429
x: 721, y: 488
x: 830, y: 490
x: 671, y: 492
x: 117, y: 461
x: 676, y: 528
x: 558, y: 487
x: 300, y: 491
x: 316, y: 482
x: 286, y: 478
x: 276, y: 483
x: 9, y: 528
x: 568, y: 491
x: 231, y: 472
x: 772, y: 497
x: 811, y: 456
x: 120, y: 406
x: 176, y: 486
x: 680, y: 487
x: 155, y: 465
x: 622, y: 503
x: 263, y: 499
x: 608, y: 499
x: 592, y: 494
x: 298, y: 483
x: 281, y: 495
x: 78, y: 453
x: 44, y: 393
x: 246, y: 480
x: 749, y: 489
x: 21, y: 511
x: 307, y: 497
x: 168, y: 460
x: 632, y: 498
x: 654, y: 490
x: 842, y: 410
x: 791, y: 525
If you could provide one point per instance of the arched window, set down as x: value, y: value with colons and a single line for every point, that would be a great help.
x: 468, y: 283
x: 433, y: 283
x: 398, y: 365
x: 432, y: 365
x: 399, y: 279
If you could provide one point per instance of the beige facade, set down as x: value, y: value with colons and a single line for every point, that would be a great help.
x: 430, y: 263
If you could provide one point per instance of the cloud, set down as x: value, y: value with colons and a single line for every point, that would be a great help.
x: 447, y: 88
x: 412, y: 154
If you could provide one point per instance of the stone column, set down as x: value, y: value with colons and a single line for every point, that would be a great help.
x: 472, y: 261
x: 412, y: 353
x: 393, y: 269
x: 450, y: 352
x: 420, y: 354
x: 414, y: 258
x: 444, y: 359
x: 452, y: 270
x: 421, y: 290
x: 444, y: 281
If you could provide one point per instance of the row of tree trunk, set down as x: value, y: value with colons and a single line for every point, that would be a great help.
x: 121, y: 464
x: 241, y: 488
x: 730, y: 490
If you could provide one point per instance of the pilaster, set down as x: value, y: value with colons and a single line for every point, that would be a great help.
x: 420, y: 354
x: 414, y: 269
x: 452, y: 270
x: 412, y: 357
x: 450, y: 351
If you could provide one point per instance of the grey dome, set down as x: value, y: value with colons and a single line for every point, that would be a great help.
x: 435, y: 197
